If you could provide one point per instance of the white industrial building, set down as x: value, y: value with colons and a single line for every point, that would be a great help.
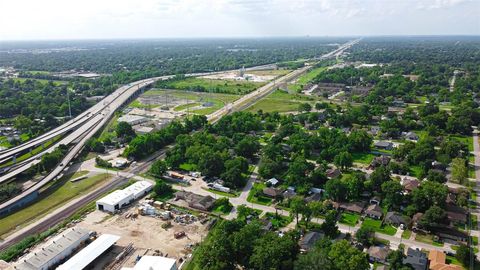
x: 54, y: 251
x: 154, y: 263
x: 86, y: 256
x: 120, y: 198
x: 132, y: 119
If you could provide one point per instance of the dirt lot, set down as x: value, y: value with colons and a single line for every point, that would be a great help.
x: 145, y: 233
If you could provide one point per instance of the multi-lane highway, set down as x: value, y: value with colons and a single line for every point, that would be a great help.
x: 87, y: 124
x: 247, y: 100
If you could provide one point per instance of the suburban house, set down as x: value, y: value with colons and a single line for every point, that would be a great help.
x: 456, y: 214
x: 353, y: 207
x: 382, y: 160
x: 411, y: 136
x: 438, y: 261
x: 383, y: 145
x: 375, y: 200
x: 378, y: 254
x: 409, y: 184
x: 309, y: 239
x: 272, y: 192
x: 374, y: 211
x: 394, y: 219
x: 315, y: 197
x: 204, y: 203
x: 415, y: 219
x: 272, y: 182
x: 450, y: 234
x: 289, y: 193
x: 417, y: 259
x: 332, y: 173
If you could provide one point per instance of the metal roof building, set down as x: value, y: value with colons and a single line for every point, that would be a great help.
x: 87, y: 255
x: 55, y: 250
x: 154, y: 263
x: 119, y: 198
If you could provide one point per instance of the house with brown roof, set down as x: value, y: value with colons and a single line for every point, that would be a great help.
x: 272, y: 192
x: 394, y: 219
x: 409, y: 184
x: 353, y: 207
x: 382, y: 160
x: 456, y: 214
x: 332, y: 173
x: 378, y: 254
x: 204, y: 203
x: 374, y: 211
x: 438, y: 261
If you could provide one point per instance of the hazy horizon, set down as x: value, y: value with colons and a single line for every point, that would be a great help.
x: 157, y: 19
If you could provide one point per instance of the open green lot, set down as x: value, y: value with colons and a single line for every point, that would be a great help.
x: 260, y: 198
x: 55, y: 82
x: 51, y: 200
x: 377, y: 226
x: 278, y: 221
x: 364, y: 158
x: 306, y: 78
x: 428, y: 239
x: 349, y: 218
x: 215, y: 86
x: 281, y: 101
x: 194, y: 99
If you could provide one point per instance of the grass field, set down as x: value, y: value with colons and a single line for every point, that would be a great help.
x: 306, y: 78
x: 364, y: 158
x: 281, y: 101
x: 51, y: 200
x: 270, y: 72
x: 5, y: 143
x: 376, y: 225
x: 428, y: 239
x: 349, y: 219
x: 186, y: 106
x: 57, y: 83
x: 258, y: 187
x: 216, y: 86
x: 195, y: 99
x: 278, y: 221
x: 406, y: 234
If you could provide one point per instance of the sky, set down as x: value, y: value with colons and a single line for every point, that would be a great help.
x: 105, y: 19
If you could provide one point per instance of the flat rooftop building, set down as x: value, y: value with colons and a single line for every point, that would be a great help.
x: 120, y: 198
x: 89, y: 254
x: 132, y: 119
x: 154, y: 263
x: 54, y: 251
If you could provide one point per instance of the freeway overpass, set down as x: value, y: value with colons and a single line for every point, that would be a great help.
x: 87, y: 124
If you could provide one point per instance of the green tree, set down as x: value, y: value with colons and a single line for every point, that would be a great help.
x: 158, y: 168
x: 433, y: 216
x: 343, y: 160
x: 162, y: 188
x: 297, y: 206
x: 329, y: 225
x: 346, y: 257
x: 247, y: 147
x: 124, y: 130
x: 274, y: 252
x: 459, y: 170
x: 392, y: 193
x: 365, y: 235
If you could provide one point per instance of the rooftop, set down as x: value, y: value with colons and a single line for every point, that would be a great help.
x: 87, y: 255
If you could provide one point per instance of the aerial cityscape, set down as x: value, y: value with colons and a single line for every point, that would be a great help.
x: 240, y: 134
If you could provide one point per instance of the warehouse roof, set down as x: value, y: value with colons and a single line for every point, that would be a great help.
x: 42, y: 255
x: 115, y: 197
x: 87, y: 255
x: 155, y: 263
x: 137, y: 187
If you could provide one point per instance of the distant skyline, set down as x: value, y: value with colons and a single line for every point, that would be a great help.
x: 116, y: 19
